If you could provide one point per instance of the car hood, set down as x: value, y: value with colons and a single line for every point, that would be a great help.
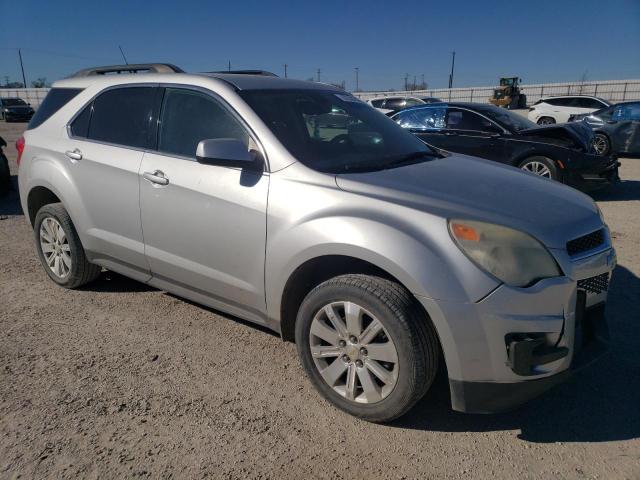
x: 575, y: 135
x: 462, y: 187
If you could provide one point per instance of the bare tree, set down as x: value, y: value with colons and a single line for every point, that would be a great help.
x: 40, y: 83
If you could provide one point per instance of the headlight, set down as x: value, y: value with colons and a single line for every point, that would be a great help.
x: 514, y: 257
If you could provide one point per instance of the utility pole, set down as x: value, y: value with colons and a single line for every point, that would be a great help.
x: 414, y: 83
x: 318, y: 75
x: 24, y: 79
x: 285, y: 70
x: 406, y: 82
x: 125, y: 58
x: 229, y: 69
x: 453, y: 62
x: 422, y: 84
x: 357, y: 79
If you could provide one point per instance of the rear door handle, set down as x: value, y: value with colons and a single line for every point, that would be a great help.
x: 74, y: 154
x: 156, y: 177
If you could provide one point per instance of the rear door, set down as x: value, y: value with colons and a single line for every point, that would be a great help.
x: 204, y: 225
x: 106, y: 145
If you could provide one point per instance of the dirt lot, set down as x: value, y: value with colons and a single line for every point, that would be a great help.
x: 122, y: 380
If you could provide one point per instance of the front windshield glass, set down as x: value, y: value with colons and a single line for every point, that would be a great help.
x: 510, y: 120
x: 334, y: 132
x: 12, y: 102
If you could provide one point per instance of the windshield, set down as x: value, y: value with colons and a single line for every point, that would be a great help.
x: 12, y: 102
x: 334, y: 132
x: 510, y: 120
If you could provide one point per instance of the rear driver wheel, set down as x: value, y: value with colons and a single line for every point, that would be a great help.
x: 601, y: 144
x: 60, y: 250
x: 367, y: 346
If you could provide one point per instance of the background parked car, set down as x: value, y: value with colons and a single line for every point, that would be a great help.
x: 558, y: 109
x: 560, y: 152
x: 393, y: 104
x: 5, y: 174
x: 15, y: 109
x: 617, y: 128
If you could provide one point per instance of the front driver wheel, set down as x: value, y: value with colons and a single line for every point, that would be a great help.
x: 367, y: 346
x: 601, y: 144
x: 541, y: 166
x: 60, y: 250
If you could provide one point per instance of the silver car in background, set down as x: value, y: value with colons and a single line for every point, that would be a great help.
x: 379, y: 257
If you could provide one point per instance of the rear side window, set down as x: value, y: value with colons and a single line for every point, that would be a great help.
x: 122, y: 116
x: 80, y: 126
x: 466, y: 120
x: 377, y: 103
x: 54, y: 101
x: 422, y: 119
x: 189, y: 117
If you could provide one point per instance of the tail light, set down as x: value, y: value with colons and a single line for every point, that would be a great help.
x: 19, y: 148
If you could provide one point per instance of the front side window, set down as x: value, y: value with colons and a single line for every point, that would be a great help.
x: 123, y: 116
x: 466, y: 120
x: 629, y: 111
x: 188, y: 116
x: 422, y: 119
x: 350, y: 135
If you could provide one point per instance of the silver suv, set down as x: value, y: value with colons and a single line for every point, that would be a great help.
x: 381, y: 258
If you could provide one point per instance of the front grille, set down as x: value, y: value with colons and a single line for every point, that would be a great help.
x: 586, y: 242
x: 597, y: 284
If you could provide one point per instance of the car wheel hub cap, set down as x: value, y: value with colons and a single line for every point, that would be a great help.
x: 538, y: 168
x: 353, y: 352
x: 55, y: 247
x: 599, y: 145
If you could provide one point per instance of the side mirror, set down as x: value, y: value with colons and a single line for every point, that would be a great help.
x: 229, y: 152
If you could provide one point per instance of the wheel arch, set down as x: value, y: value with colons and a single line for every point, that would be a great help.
x: 313, y: 272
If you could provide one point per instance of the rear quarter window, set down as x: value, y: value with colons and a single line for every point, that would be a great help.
x: 54, y: 101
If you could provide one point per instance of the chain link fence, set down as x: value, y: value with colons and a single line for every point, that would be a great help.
x: 34, y: 96
x: 612, y: 90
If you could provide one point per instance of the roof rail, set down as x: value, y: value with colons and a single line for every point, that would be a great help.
x: 246, y: 72
x: 130, y: 68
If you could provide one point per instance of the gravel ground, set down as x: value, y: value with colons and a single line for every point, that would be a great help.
x: 122, y: 380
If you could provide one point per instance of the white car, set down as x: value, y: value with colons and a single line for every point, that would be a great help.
x: 558, y: 109
x: 393, y: 104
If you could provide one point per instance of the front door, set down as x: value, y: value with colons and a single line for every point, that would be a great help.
x: 204, y: 225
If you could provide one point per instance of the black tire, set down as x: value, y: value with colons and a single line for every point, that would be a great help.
x: 551, y: 166
x: 546, y: 121
x: 601, y: 144
x: 5, y: 175
x: 81, y: 271
x: 410, y: 329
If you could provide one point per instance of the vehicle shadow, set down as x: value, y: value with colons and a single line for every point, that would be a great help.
x: 111, y: 282
x: 596, y: 405
x: 10, y: 201
x: 626, y: 190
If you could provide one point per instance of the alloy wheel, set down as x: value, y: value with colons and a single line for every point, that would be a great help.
x: 600, y: 145
x: 537, y: 168
x: 353, y: 352
x: 55, y: 247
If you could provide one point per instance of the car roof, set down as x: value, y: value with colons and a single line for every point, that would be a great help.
x: 237, y: 81
x: 572, y: 96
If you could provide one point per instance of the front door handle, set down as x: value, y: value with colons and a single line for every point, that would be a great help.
x: 156, y: 177
x: 74, y: 154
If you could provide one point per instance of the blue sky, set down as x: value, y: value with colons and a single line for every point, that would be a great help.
x: 541, y: 41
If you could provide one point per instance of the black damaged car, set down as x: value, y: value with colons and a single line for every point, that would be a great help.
x: 561, y: 152
x: 15, y: 110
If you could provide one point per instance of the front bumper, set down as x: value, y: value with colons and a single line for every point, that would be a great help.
x: 595, y: 172
x: 478, y: 339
